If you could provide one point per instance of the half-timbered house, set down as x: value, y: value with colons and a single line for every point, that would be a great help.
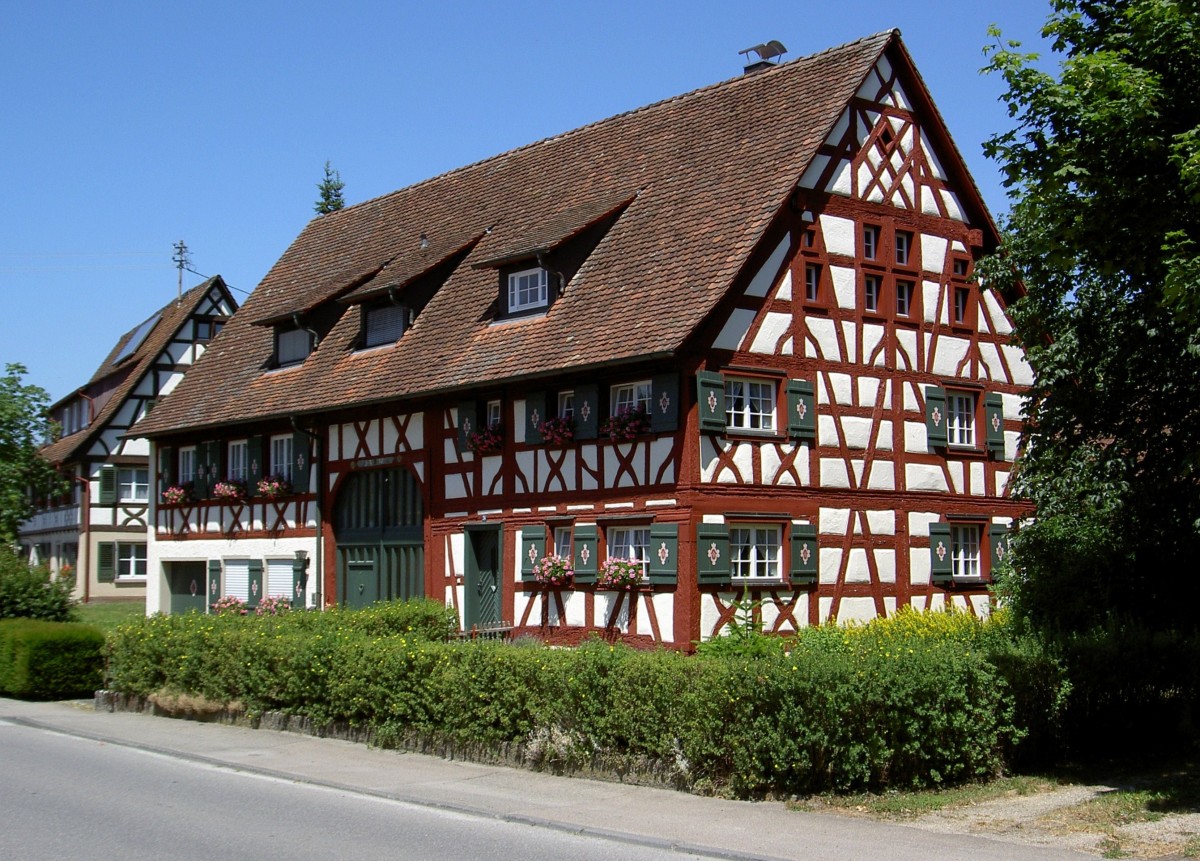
x: 735, y: 336
x: 98, y: 528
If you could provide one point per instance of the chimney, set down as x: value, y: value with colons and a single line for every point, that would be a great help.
x: 766, y: 52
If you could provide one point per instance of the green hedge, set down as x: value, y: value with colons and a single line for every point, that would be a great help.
x: 50, y: 660
x: 31, y: 593
x: 892, y: 704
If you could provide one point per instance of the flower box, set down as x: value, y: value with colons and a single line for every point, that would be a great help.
x: 230, y: 489
x: 489, y: 440
x: 557, y: 430
x: 619, y: 574
x: 626, y: 423
x: 553, y: 570
x: 273, y: 486
x: 177, y: 494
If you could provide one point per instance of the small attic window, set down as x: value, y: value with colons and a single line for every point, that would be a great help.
x: 383, y: 324
x: 528, y: 290
x: 292, y: 345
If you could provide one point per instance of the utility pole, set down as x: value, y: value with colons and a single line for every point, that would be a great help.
x: 182, y: 261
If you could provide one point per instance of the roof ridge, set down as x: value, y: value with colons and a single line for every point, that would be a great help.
x: 736, y: 80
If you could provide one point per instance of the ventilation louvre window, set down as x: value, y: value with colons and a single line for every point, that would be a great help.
x: 294, y: 345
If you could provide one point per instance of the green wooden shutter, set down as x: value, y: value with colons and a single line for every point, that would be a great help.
x: 256, y: 470
x: 301, y: 461
x: 999, y: 541
x: 533, y: 548
x: 587, y: 565
x: 202, y: 483
x: 993, y: 415
x: 710, y: 400
x: 804, y: 568
x: 299, y: 582
x: 941, y: 565
x: 935, y: 416
x: 712, y: 554
x: 106, y: 562
x: 664, y: 553
x: 166, y: 468
x: 467, y: 424
x: 535, y: 414
x: 802, y: 410
x: 587, y: 411
x: 255, y: 590
x: 664, y: 403
x: 214, y: 581
x: 220, y: 460
x: 108, y: 485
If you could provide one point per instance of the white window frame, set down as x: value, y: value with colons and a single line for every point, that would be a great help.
x: 966, y: 551
x: 133, y: 484
x: 495, y: 414
x: 812, y: 282
x: 131, y: 560
x: 872, y: 293
x: 961, y: 298
x: 566, y: 405
x: 630, y: 543
x: 562, y: 541
x: 239, y: 459
x: 187, y: 464
x: 528, y: 289
x: 750, y: 404
x: 281, y: 457
x: 292, y: 346
x: 631, y: 396
x: 755, y: 551
x: 870, y: 241
x: 960, y: 419
x: 906, y: 292
x: 903, y: 247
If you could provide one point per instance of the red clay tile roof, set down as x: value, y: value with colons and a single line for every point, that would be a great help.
x: 710, y: 170
x: 121, y: 379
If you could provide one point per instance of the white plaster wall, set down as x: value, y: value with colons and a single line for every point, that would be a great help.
x: 857, y: 431
x: 765, y: 276
x: 924, y: 477
x: 824, y: 335
x: 845, y: 286
x: 882, y: 476
x: 950, y: 354
x: 774, y: 327
x: 881, y: 522
x: 978, y: 485
x: 839, y: 233
x: 829, y: 563
x: 916, y: 438
x: 833, y: 521
x: 1021, y: 371
x: 664, y: 612
x: 933, y: 253
x: 906, y: 349
x: 834, y: 474
x: 784, y: 292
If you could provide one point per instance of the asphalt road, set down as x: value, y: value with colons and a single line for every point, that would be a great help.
x: 80, y: 783
x: 67, y: 797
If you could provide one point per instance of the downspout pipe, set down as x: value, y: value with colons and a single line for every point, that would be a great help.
x: 316, y: 342
x: 318, y: 572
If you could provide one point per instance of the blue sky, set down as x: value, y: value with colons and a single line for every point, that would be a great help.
x: 131, y: 125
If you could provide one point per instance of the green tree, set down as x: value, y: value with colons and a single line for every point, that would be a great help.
x: 331, y: 192
x: 23, y: 427
x: 1103, y: 170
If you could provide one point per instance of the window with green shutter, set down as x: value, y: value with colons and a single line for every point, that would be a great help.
x: 664, y: 403
x: 535, y: 414
x: 255, y: 590
x: 108, y: 485
x: 299, y: 581
x: 712, y: 554
x: 583, y: 543
x: 804, y: 568
x: 214, y: 581
x: 802, y: 410
x: 663, y: 551
x: 255, y: 467
x: 993, y: 416
x: 587, y: 411
x: 999, y: 541
x: 106, y: 562
x: 941, y: 556
x: 935, y: 416
x: 468, y: 423
x: 301, y: 461
x: 710, y: 400
x: 533, y: 548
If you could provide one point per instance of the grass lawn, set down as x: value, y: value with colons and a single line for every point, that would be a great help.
x: 108, y: 615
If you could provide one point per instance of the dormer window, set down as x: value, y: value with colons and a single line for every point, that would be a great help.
x: 292, y: 346
x: 383, y: 324
x: 528, y: 290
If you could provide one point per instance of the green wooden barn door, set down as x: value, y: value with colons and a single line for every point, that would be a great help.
x: 379, y: 528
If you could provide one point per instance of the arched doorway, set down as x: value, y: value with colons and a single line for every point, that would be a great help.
x: 378, y: 525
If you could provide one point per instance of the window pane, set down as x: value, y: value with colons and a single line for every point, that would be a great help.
x: 562, y: 541
x: 566, y: 405
x: 237, y: 460
x: 629, y: 543
x: 960, y: 424
x: 294, y: 346
x: 754, y: 551
x: 281, y: 457
x: 385, y: 325
x: 187, y: 465
x: 527, y: 289
x: 133, y: 485
x: 965, y: 550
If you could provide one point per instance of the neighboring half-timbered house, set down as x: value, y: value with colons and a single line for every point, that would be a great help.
x: 735, y: 336
x: 98, y: 529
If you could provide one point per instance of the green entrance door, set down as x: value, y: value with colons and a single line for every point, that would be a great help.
x: 481, y: 607
x: 188, y: 585
x: 378, y: 526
